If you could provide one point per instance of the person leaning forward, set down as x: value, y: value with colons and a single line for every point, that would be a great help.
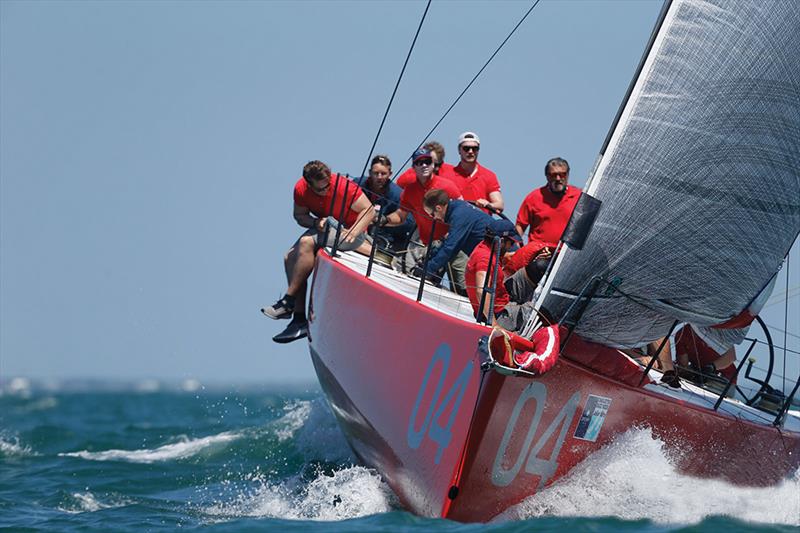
x: 321, y: 202
x: 467, y: 228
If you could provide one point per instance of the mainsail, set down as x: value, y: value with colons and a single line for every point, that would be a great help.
x: 700, y: 179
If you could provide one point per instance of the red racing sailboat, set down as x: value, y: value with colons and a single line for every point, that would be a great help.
x: 686, y: 185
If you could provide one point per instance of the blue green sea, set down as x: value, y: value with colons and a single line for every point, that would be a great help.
x: 150, y: 457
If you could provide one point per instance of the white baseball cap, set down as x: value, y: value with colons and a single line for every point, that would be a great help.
x: 468, y: 136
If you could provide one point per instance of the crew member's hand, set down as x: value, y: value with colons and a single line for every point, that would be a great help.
x: 321, y: 223
x: 482, y: 202
x: 349, y: 236
x: 546, y: 253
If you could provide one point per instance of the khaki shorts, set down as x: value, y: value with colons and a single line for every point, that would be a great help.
x: 332, y: 224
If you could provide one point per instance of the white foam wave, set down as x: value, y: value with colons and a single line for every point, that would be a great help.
x: 168, y: 452
x: 295, y: 415
x: 86, y: 502
x: 633, y: 479
x: 11, y: 447
x: 349, y: 493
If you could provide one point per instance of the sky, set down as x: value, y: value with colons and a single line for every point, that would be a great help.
x: 148, y: 152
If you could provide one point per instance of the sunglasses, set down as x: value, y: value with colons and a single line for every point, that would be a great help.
x: 558, y: 175
x: 471, y: 148
x: 423, y: 162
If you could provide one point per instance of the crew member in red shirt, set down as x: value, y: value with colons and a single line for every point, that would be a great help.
x: 413, y: 193
x: 513, y: 289
x: 547, y: 209
x: 477, y: 183
x: 320, y: 200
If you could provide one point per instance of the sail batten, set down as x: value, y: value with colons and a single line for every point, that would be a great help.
x: 700, y: 178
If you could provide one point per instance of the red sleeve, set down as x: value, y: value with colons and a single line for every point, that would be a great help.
x: 524, y: 255
x: 298, y: 193
x: 357, y: 193
x: 350, y: 188
x: 482, y: 263
x: 405, y: 178
x: 523, y: 215
x: 492, y: 185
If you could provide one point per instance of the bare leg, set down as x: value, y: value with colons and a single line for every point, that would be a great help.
x: 365, y: 248
x: 664, y: 356
x: 727, y: 359
x: 289, y: 260
x: 303, y: 264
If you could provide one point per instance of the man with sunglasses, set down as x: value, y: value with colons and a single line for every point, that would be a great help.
x: 426, y: 180
x: 477, y: 183
x: 414, y: 191
x: 321, y: 203
x: 547, y: 209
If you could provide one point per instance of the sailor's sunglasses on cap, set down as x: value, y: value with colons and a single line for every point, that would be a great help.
x: 423, y: 161
x: 470, y: 148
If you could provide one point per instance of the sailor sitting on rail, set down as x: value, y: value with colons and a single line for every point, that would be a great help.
x: 517, y: 275
x: 323, y: 195
x: 467, y: 227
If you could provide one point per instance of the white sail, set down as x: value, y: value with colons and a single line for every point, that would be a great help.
x: 700, y: 179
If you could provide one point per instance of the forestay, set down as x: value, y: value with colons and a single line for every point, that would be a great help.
x: 700, y: 180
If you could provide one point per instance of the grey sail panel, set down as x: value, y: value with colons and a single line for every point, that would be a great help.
x: 700, y: 182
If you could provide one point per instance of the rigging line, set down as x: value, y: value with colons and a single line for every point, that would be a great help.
x: 785, y: 321
x: 783, y: 331
x: 780, y: 295
x: 403, y: 166
x: 789, y: 350
x: 396, y: 86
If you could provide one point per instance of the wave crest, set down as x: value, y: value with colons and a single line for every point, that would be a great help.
x: 168, y: 452
x: 348, y: 493
x: 86, y: 502
x: 10, y: 447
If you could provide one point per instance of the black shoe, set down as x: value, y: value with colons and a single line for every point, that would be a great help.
x: 293, y: 332
x: 671, y: 378
x: 283, y: 308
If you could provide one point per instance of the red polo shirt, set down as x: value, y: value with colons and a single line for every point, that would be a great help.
x: 479, y: 262
x: 411, y: 201
x: 321, y: 205
x: 479, y: 185
x: 547, y: 213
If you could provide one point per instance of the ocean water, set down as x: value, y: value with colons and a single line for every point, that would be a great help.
x: 241, y: 459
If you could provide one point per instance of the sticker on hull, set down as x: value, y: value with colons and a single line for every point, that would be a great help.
x: 592, y: 418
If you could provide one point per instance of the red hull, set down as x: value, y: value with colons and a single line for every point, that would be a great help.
x: 406, y: 385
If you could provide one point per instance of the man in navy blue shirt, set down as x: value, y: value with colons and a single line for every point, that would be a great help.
x: 467, y: 228
x: 382, y: 192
